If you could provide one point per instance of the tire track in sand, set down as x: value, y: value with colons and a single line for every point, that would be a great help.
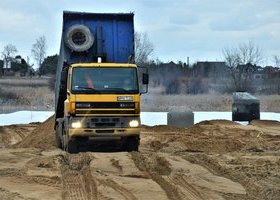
x: 77, y: 181
x: 124, y: 192
x: 8, y: 195
x: 191, y: 192
x: 156, y: 168
x: 119, y: 178
x: 42, y: 180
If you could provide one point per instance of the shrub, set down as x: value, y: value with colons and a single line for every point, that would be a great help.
x: 51, y: 83
x: 7, y: 95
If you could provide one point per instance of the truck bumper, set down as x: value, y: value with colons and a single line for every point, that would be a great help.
x: 104, y: 133
x: 96, y: 127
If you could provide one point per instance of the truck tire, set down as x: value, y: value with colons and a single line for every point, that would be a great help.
x: 72, y: 146
x: 57, y: 136
x: 69, y: 145
x: 132, y: 143
x: 79, y: 38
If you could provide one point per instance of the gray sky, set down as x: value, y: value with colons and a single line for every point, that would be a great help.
x: 178, y: 29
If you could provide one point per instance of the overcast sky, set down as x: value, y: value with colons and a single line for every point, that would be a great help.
x: 198, y: 29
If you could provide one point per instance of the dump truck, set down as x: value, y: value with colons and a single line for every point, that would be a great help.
x: 245, y: 107
x: 98, y: 85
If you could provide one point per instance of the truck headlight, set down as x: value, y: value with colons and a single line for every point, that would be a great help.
x: 76, y: 124
x: 134, y: 123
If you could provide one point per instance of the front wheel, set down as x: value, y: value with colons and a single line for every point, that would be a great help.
x: 132, y: 143
x: 58, y: 133
x: 70, y: 145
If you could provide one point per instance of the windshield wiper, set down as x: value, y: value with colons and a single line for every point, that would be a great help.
x: 121, y: 90
x: 88, y: 89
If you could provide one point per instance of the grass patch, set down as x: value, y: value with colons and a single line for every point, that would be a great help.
x: 35, y: 94
x: 202, y: 102
x: 168, y: 103
x: 7, y: 95
x: 21, y: 94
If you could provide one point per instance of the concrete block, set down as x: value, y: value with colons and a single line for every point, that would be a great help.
x: 245, y: 107
x: 180, y: 119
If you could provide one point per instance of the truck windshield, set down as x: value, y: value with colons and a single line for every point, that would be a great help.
x: 104, y: 80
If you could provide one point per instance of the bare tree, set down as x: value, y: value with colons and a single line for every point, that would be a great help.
x: 250, y: 52
x: 243, y: 54
x: 232, y: 60
x: 8, y: 52
x: 39, y: 51
x: 143, y: 48
x: 276, y: 60
x: 239, y: 59
x: 231, y: 57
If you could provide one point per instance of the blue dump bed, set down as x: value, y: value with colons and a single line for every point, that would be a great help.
x: 113, y: 35
x: 89, y: 38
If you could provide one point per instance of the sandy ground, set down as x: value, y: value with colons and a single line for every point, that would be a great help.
x: 211, y: 160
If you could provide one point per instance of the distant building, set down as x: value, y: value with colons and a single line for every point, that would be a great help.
x: 9, y: 66
x: 257, y: 72
x: 271, y: 70
x: 210, y: 69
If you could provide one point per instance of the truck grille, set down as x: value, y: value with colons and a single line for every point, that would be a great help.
x: 105, y: 105
x: 106, y: 122
x: 105, y: 112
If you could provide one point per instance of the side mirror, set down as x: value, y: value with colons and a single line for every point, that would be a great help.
x: 145, y: 79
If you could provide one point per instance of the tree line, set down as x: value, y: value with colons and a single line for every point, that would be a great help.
x: 239, y: 70
x: 47, y: 64
x: 241, y: 64
x: 11, y: 61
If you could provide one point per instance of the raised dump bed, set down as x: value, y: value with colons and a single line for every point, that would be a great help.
x: 245, y: 107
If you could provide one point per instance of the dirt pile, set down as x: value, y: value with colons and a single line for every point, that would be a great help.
x: 42, y: 137
x: 265, y: 123
x: 215, y: 159
x: 216, y: 136
x: 13, y: 134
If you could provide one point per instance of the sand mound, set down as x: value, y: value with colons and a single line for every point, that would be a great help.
x: 162, y: 128
x: 42, y: 137
x: 217, y: 122
x: 215, y: 159
x: 265, y: 123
